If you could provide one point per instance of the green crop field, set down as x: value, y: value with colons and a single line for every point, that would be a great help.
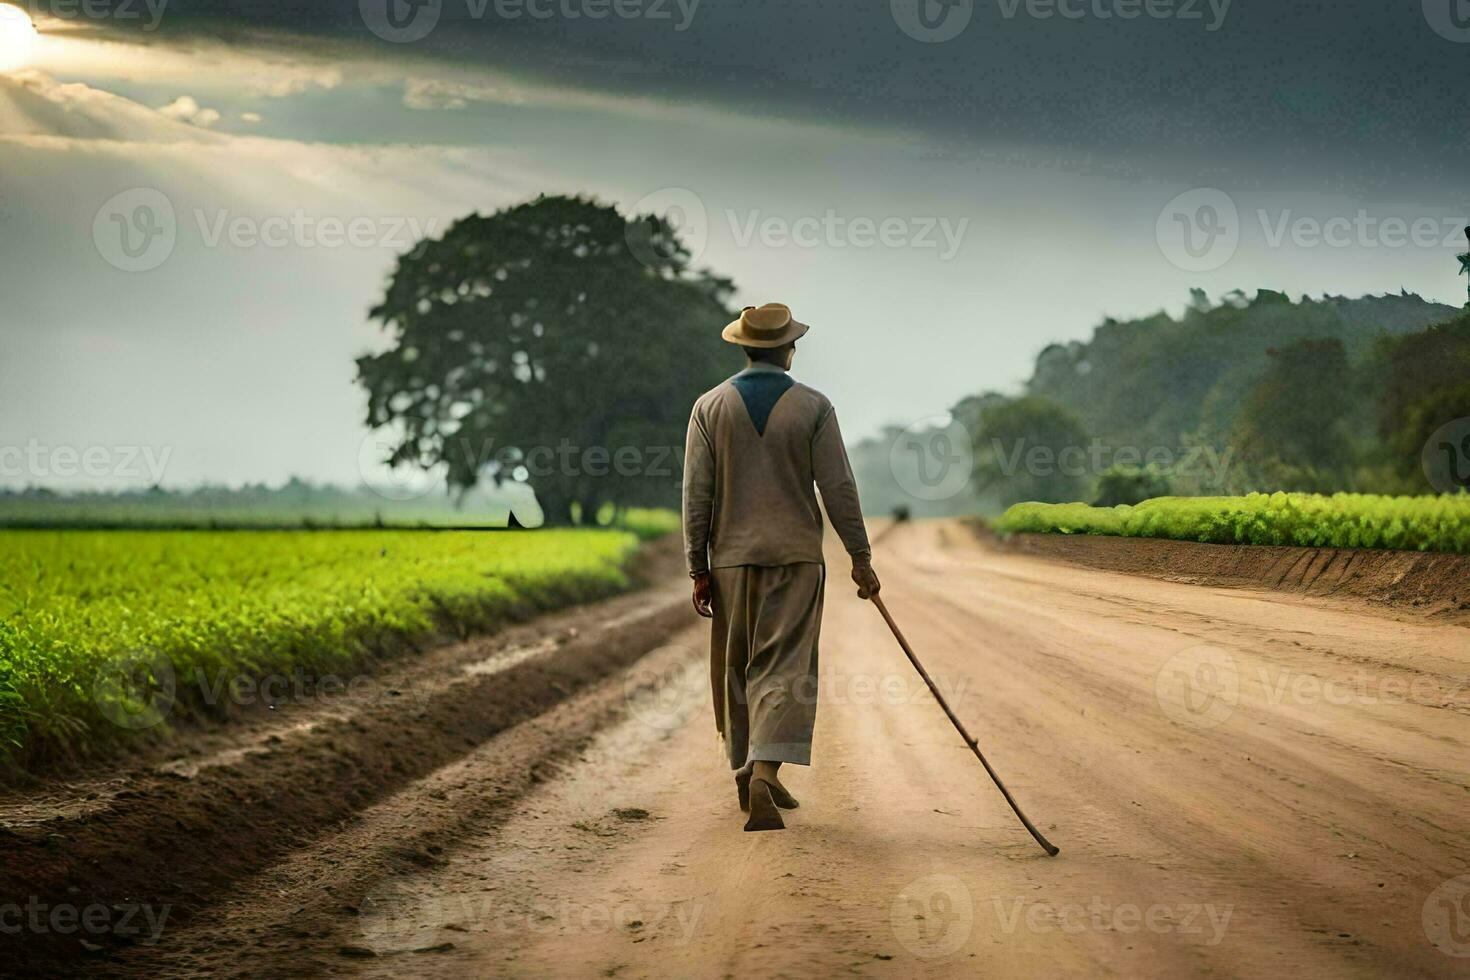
x: 1343, y: 520
x: 77, y: 607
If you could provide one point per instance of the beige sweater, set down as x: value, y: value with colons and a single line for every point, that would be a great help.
x: 748, y: 495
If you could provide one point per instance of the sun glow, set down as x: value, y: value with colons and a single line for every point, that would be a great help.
x: 17, y: 37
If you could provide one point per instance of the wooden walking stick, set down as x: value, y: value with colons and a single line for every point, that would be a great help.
x: 1046, y: 845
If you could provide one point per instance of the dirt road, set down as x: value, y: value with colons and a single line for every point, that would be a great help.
x: 1242, y: 784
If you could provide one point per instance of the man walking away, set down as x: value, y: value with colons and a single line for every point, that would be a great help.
x: 757, y: 446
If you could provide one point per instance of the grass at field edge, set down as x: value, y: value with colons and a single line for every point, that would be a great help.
x: 92, y: 644
x: 1342, y: 520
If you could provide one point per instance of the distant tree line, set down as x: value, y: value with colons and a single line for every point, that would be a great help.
x: 1259, y: 394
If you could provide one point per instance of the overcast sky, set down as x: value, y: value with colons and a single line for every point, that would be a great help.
x: 940, y: 189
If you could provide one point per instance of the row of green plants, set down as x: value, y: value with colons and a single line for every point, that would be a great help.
x: 1342, y: 520
x: 95, y: 624
x: 296, y: 505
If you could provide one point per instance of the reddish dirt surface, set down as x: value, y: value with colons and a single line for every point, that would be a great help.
x: 1399, y: 581
x: 1242, y: 782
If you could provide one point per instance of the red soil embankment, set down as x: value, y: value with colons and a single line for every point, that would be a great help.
x: 1429, y: 582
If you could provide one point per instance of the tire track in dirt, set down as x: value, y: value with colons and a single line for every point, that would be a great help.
x: 346, y: 895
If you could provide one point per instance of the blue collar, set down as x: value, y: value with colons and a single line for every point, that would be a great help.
x: 761, y: 390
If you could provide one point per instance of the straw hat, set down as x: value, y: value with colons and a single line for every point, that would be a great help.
x: 764, y: 326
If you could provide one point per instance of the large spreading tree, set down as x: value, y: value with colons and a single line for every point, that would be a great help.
x: 554, y: 342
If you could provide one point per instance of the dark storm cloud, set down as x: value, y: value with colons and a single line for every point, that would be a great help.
x: 1355, y: 93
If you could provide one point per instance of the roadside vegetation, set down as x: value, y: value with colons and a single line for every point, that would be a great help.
x: 97, y: 628
x: 649, y: 522
x: 1343, y: 520
x: 1235, y: 396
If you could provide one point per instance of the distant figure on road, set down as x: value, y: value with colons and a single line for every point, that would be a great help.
x: 757, y: 445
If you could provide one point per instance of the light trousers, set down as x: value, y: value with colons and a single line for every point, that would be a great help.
x: 763, y: 659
